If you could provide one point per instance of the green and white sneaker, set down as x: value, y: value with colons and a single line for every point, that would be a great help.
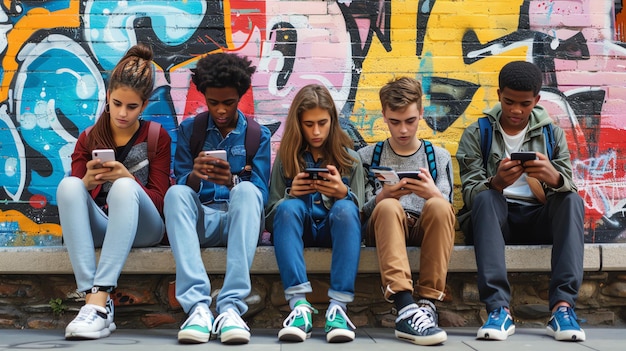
x: 197, y: 327
x: 338, y: 327
x: 230, y: 328
x: 298, y: 325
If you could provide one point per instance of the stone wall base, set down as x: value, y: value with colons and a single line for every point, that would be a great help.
x: 147, y: 301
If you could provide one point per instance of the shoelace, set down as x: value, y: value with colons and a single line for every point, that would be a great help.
x: 228, y: 318
x: 84, y: 313
x: 300, y: 310
x: 422, y: 320
x: 332, y: 313
x: 566, y: 315
x: 200, y: 313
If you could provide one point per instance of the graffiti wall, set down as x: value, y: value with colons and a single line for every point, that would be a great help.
x: 55, y: 56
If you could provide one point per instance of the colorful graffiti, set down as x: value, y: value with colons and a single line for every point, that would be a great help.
x: 55, y: 56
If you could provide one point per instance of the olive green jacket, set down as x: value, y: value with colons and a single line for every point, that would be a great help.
x: 470, y: 158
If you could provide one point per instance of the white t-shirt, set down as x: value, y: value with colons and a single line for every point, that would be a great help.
x: 518, y: 192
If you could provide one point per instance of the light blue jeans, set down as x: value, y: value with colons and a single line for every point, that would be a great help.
x: 192, y: 225
x: 294, y: 230
x: 86, y: 227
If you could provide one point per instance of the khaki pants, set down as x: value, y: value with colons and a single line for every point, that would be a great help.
x: 390, y: 229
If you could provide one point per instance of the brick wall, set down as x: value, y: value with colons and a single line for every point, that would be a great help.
x: 55, y: 57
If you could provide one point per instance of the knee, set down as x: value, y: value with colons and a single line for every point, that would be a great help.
x: 388, y: 207
x: 174, y: 196
x: 69, y: 187
x: 246, y: 192
x: 345, y: 211
x: 290, y: 208
x: 439, y: 207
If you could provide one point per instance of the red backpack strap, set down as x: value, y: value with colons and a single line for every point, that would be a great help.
x: 154, y: 129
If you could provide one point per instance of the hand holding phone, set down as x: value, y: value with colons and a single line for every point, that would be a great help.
x: 314, y: 173
x: 105, y: 155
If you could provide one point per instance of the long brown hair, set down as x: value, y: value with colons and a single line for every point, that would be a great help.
x: 134, y: 71
x: 293, y: 144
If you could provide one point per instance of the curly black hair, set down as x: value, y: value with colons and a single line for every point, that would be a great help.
x: 223, y: 70
x: 520, y: 76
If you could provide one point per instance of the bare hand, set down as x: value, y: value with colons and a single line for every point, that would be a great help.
x: 94, y: 168
x: 212, y: 169
x: 543, y: 170
x: 508, y: 172
x: 331, y: 184
x: 423, y: 187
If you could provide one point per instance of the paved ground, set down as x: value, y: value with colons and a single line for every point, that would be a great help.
x: 459, y: 339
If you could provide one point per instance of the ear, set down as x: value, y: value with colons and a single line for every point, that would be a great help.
x: 537, y: 98
x: 145, y: 104
x: 108, y: 96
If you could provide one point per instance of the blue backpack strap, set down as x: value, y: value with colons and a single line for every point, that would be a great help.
x: 378, y: 150
x: 550, y: 141
x: 486, y: 133
x: 430, y: 156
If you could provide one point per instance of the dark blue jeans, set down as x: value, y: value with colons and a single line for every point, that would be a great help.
x: 294, y: 230
x: 559, y: 222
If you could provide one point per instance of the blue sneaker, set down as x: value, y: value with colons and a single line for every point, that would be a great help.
x: 418, y: 323
x: 563, y: 325
x: 498, y: 327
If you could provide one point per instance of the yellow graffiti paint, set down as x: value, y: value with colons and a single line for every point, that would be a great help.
x: 27, y: 226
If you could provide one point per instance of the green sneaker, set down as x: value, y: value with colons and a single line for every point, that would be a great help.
x: 197, y: 328
x: 298, y: 325
x: 230, y: 328
x: 338, y: 327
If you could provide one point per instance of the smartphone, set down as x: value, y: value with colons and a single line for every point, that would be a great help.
x: 409, y: 174
x: 105, y: 155
x: 221, y: 154
x: 314, y: 173
x: 386, y: 175
x: 523, y: 156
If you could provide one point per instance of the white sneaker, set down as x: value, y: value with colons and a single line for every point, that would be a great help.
x: 197, y: 327
x: 92, y: 322
x: 231, y: 329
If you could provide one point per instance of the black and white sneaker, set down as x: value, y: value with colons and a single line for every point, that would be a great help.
x: 92, y: 322
x: 418, y: 324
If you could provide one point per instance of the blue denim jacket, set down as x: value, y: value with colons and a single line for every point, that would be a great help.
x: 234, y: 144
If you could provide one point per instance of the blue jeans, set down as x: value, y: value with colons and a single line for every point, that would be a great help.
x: 133, y: 221
x: 191, y: 225
x: 294, y: 229
x: 559, y: 223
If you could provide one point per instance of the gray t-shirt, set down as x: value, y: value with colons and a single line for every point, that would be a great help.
x: 389, y: 158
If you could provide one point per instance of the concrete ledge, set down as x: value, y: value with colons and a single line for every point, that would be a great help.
x: 159, y: 260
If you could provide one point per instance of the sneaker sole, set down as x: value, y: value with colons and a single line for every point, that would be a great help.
x: 570, y: 335
x: 76, y: 335
x: 339, y: 335
x: 192, y: 337
x: 293, y: 334
x: 435, y: 339
x: 236, y: 336
x: 494, y: 334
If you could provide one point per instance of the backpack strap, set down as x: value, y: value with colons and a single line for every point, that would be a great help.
x: 154, y: 129
x: 378, y: 150
x: 550, y: 141
x: 430, y: 156
x: 252, y: 141
x: 486, y: 133
x: 198, y: 134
